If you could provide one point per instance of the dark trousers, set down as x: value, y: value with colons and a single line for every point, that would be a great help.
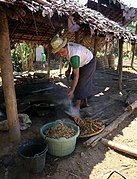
x: 84, y: 87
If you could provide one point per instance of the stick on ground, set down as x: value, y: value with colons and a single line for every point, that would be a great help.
x: 120, y: 147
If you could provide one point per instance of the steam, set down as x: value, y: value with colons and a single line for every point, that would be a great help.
x: 70, y: 108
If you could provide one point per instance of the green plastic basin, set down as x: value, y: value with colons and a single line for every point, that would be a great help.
x: 62, y: 146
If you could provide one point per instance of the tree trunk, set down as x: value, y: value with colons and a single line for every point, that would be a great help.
x: 7, y: 80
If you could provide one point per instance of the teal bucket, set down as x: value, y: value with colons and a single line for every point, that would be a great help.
x: 62, y: 146
x: 33, y: 152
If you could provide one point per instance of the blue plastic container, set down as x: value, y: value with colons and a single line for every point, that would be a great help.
x: 62, y: 146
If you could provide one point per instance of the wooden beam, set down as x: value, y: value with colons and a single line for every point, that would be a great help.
x: 9, y: 12
x: 7, y: 80
x: 44, y: 34
x: 94, y: 140
x: 14, y: 12
x: 17, y: 25
x: 122, y: 148
x: 120, y: 65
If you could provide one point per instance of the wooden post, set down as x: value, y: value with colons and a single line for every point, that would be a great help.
x: 120, y: 64
x: 7, y: 80
x: 95, y: 46
x: 34, y: 53
x: 106, y: 49
x: 30, y: 60
x: 60, y: 66
x: 133, y: 54
x: 22, y: 58
x: 48, y: 59
x: 76, y: 37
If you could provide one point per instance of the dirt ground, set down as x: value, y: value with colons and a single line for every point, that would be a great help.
x: 85, y: 162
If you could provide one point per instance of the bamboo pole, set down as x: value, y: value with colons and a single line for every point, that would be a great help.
x: 7, y: 80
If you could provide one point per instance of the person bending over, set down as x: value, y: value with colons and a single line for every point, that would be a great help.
x: 83, y: 66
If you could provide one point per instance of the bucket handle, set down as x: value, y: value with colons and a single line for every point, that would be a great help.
x: 41, y: 132
x: 41, y: 129
x: 36, y: 155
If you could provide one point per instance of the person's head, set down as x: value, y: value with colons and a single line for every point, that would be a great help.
x: 59, y: 46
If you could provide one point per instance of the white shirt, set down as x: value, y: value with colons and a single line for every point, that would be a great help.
x: 79, y: 50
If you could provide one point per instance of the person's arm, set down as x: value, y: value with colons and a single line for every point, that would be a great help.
x: 75, y: 61
x: 75, y: 81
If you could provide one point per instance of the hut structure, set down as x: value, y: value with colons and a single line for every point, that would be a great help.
x: 117, y: 11
x: 37, y: 22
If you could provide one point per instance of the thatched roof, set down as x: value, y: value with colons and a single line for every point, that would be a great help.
x: 114, y: 10
x: 40, y: 20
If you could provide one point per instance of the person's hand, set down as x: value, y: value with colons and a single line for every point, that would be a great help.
x: 70, y: 94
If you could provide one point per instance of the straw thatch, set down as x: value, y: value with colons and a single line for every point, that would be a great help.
x: 40, y: 20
